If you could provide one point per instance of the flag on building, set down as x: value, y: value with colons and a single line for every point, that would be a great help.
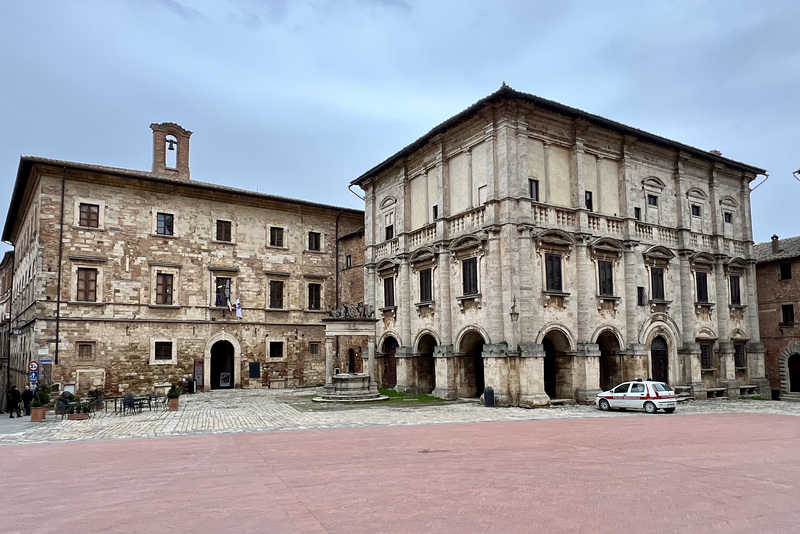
x: 238, y: 308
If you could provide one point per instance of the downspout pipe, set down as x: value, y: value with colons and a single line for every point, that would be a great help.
x: 60, y: 257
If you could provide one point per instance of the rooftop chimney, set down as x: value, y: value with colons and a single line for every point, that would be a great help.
x: 169, y: 136
x: 775, y: 247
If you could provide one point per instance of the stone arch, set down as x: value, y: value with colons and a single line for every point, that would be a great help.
x: 661, y: 328
x: 424, y: 364
x: 426, y: 332
x: 612, y: 330
x: 387, y: 346
x: 388, y: 334
x: 469, y: 368
x: 611, y: 362
x: 658, y: 321
x: 549, y: 327
x: 787, y: 383
x: 466, y: 330
x: 237, y: 359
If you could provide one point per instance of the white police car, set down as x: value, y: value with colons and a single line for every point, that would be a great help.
x: 646, y: 395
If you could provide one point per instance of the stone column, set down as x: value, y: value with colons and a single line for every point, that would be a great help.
x: 587, y: 368
x: 444, y: 362
x: 373, y: 384
x: 329, y: 389
x: 531, y: 376
x: 443, y: 301
x: 404, y: 303
x: 495, y: 373
x: 727, y: 366
x: 406, y: 364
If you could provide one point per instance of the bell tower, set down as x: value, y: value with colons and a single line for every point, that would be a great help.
x: 171, y: 150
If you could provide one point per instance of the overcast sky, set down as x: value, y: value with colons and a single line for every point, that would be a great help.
x: 298, y: 98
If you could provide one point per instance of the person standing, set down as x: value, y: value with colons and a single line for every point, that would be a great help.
x: 27, y: 397
x: 13, y: 402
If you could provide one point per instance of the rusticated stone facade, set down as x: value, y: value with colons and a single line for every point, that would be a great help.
x: 550, y: 253
x: 138, y: 275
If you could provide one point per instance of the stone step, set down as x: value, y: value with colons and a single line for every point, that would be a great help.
x: 790, y: 397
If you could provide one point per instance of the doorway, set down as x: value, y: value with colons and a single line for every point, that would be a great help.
x: 793, y: 364
x: 659, y: 360
x: 610, y: 368
x: 221, y: 371
x: 389, y: 348
x: 425, y: 374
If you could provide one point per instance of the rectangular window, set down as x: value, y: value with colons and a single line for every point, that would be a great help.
x: 435, y: 212
x: 389, y: 232
x: 640, y: 296
x: 348, y: 261
x: 223, y: 291
x: 163, y: 350
x: 657, y: 283
x: 425, y: 287
x: 276, y: 294
x: 787, y: 313
x: 275, y: 236
x: 637, y: 214
x: 314, y: 241
x: 86, y: 352
x: 702, y: 286
x: 588, y: 197
x: 652, y: 200
x: 786, y: 271
x: 695, y: 210
x: 736, y: 295
x: 388, y: 292
x: 606, y: 278
x: 706, y: 356
x: 553, y: 272
x: 314, y: 292
x: 739, y: 355
x: 87, y: 285
x: 533, y: 189
x: 163, y: 288
x: 313, y: 349
x: 164, y: 223
x: 89, y: 215
x: 728, y: 217
x: 469, y: 274
x: 223, y: 231
x: 388, y: 224
x: 276, y: 349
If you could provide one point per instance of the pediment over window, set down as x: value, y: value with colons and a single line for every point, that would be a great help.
x: 466, y: 245
x: 653, y: 183
x: 422, y: 255
x: 552, y: 238
x: 387, y: 267
x: 387, y: 202
x: 739, y: 334
x: 606, y: 247
x: 702, y: 261
x: 729, y: 202
x: 658, y: 256
x: 706, y: 333
x: 697, y: 194
x: 736, y: 266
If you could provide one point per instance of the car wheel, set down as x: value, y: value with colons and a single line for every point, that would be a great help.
x: 669, y: 410
x: 604, y: 405
x: 649, y: 407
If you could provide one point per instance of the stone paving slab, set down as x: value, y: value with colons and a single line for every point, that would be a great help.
x: 237, y: 411
x: 621, y: 473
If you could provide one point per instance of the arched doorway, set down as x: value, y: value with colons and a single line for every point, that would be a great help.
x: 610, y: 364
x: 389, y: 348
x: 793, y: 363
x: 222, y: 372
x: 659, y: 360
x: 557, y: 377
x: 351, y: 361
x: 425, y: 369
x: 471, y: 382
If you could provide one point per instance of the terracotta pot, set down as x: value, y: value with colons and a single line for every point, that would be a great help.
x: 77, y: 416
x: 173, y: 404
x: 38, y: 413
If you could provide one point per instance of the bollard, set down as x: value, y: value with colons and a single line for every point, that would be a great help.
x: 488, y: 396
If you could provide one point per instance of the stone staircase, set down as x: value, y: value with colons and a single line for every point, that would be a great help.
x: 790, y: 397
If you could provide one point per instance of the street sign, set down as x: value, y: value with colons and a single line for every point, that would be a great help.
x: 33, y: 375
x: 33, y: 366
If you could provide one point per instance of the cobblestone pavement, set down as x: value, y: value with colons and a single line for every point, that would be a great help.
x: 237, y: 411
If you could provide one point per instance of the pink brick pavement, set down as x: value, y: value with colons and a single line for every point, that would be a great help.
x: 664, y: 473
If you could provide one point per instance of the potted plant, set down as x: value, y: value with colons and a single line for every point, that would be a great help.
x: 172, y: 395
x: 39, y: 403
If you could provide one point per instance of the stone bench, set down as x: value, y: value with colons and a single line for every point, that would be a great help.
x: 716, y: 393
x: 749, y: 389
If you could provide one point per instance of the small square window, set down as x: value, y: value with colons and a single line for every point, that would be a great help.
x: 313, y: 349
x: 275, y: 236
x: 224, y: 231
x: 637, y: 214
x: 641, y: 298
x: 163, y: 350
x: 728, y: 217
x: 533, y: 189
x: 588, y: 198
x: 652, y: 200
x: 389, y: 232
x: 787, y: 313
x: 435, y: 211
x: 164, y: 223
x: 276, y: 349
x: 314, y: 241
x: 695, y: 210
x: 163, y: 288
x: 86, y: 352
x: 89, y: 215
